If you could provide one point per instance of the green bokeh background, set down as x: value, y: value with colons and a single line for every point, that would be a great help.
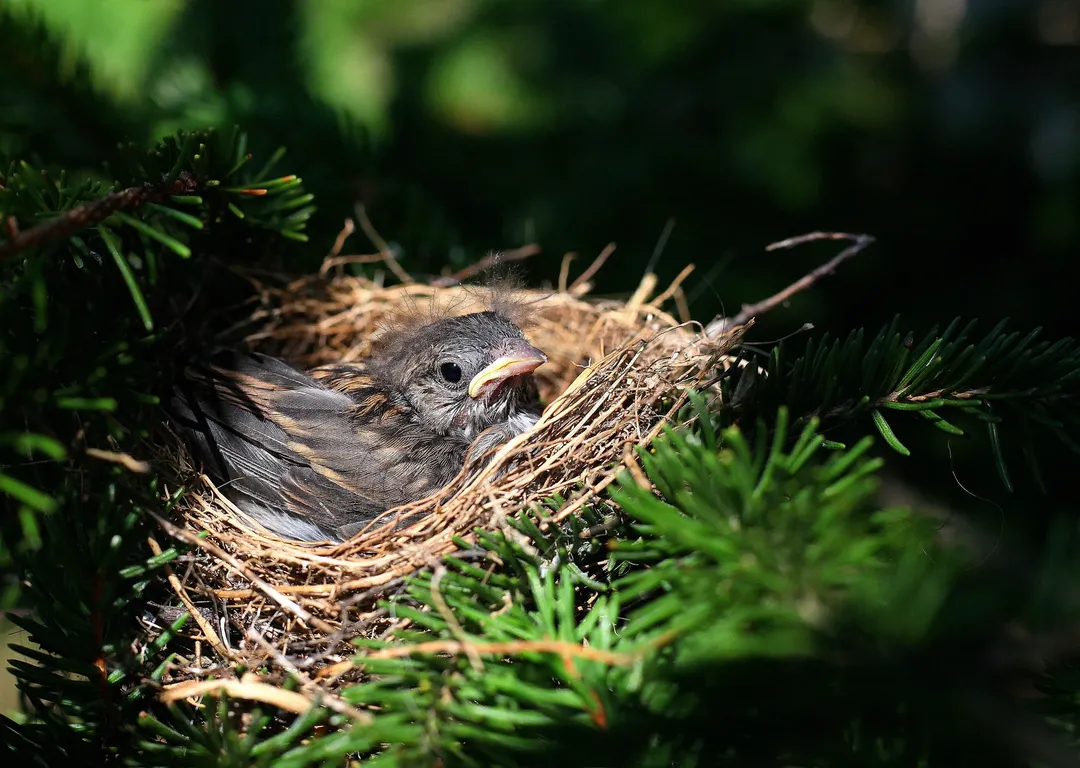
x: 948, y: 129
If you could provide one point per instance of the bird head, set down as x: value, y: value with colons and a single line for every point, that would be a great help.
x: 464, y: 374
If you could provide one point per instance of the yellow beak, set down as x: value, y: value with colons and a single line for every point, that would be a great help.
x: 503, y: 369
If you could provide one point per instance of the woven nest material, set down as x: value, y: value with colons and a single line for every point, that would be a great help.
x: 617, y: 371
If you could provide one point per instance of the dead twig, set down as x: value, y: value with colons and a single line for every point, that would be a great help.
x: 559, y: 647
x: 750, y: 311
x: 334, y: 258
x: 385, y: 251
x: 339, y: 242
x: 207, y: 629
x: 248, y: 687
x: 127, y: 461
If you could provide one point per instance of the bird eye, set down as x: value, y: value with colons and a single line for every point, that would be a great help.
x: 451, y: 372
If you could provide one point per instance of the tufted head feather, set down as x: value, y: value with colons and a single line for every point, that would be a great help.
x: 500, y: 292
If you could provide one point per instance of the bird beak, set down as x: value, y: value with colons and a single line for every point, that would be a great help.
x: 521, y: 358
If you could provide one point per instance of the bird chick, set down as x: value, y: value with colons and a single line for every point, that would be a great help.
x: 317, y: 455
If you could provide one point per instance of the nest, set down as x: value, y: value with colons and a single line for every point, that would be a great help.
x: 617, y: 372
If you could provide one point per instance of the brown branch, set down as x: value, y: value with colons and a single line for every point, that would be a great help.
x: 339, y: 242
x: 749, y: 311
x: 670, y: 290
x: 560, y: 647
x: 248, y: 688
x: 563, y: 648
x: 564, y: 270
x: 70, y: 222
x: 339, y: 261
x: 127, y: 461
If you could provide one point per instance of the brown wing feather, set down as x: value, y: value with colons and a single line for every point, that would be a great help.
x: 308, y: 451
x: 355, y: 380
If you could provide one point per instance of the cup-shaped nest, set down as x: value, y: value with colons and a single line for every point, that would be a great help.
x: 617, y: 372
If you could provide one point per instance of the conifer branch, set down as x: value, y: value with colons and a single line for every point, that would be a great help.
x: 946, y: 373
x: 78, y: 391
x: 91, y: 213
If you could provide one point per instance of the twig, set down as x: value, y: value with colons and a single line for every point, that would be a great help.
x: 560, y: 647
x: 69, y: 222
x: 315, y: 590
x: 206, y: 627
x: 127, y: 461
x: 748, y: 311
x: 247, y: 688
x: 385, y: 250
x: 334, y: 257
x: 334, y: 671
x: 634, y: 469
x: 641, y: 295
x: 225, y: 557
x: 486, y: 263
x: 670, y: 290
x: 682, y: 305
x: 593, y: 268
x: 340, y: 261
x: 339, y: 242
x: 564, y: 270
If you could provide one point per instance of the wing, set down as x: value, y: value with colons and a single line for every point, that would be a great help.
x: 254, y: 421
x: 302, y: 457
x: 413, y: 460
x: 356, y: 381
x: 408, y: 461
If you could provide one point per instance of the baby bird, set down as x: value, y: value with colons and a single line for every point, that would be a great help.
x: 316, y: 456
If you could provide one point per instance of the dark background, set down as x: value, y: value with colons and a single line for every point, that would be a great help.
x: 948, y: 129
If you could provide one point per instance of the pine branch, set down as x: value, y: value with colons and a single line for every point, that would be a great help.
x: 1037, y: 381
x: 90, y: 214
x: 187, y: 183
x: 88, y: 308
x: 757, y: 585
x: 557, y: 657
